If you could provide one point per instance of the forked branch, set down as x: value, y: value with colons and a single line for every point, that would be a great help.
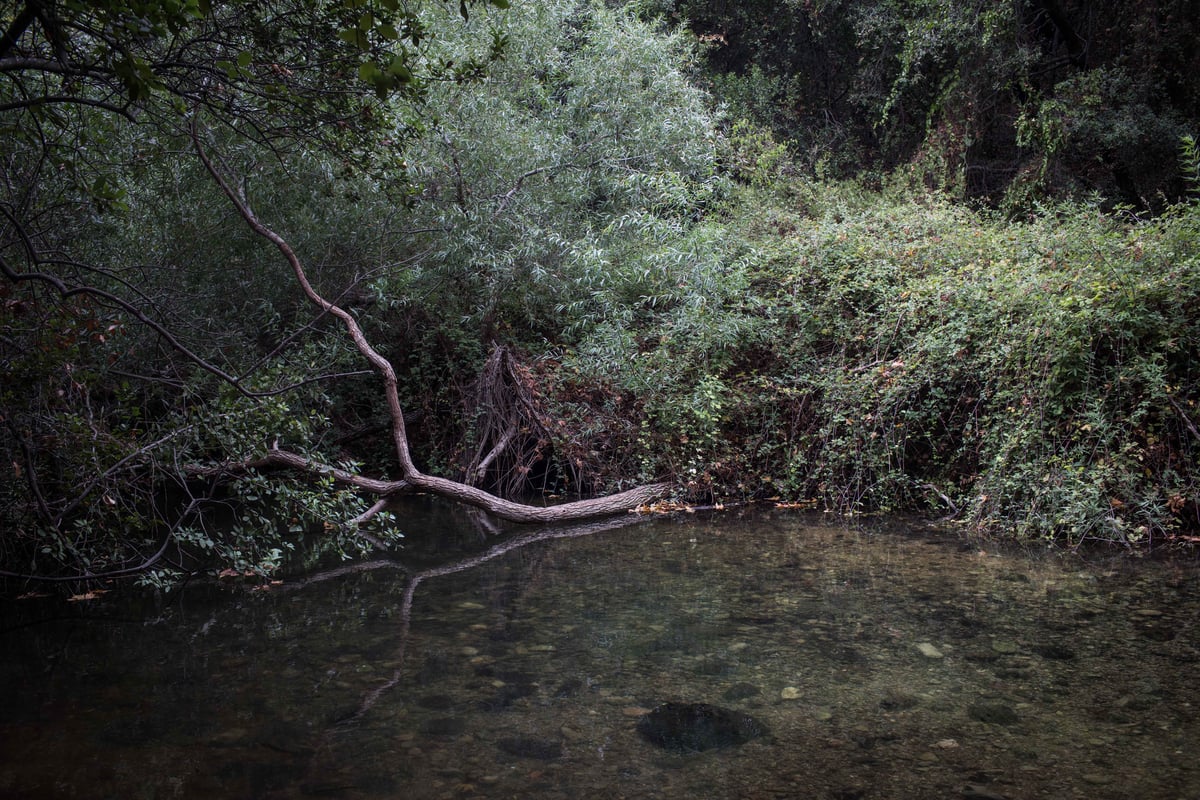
x: 411, y: 478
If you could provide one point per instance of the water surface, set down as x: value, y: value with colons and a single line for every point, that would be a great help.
x: 885, y: 660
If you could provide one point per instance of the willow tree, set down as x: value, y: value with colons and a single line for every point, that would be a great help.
x: 121, y: 393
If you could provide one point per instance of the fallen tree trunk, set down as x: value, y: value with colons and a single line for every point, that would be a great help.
x: 518, y: 512
x: 411, y: 478
x: 461, y: 492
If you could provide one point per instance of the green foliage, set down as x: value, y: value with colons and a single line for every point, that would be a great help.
x: 1189, y: 158
x: 1104, y: 116
x: 683, y: 304
x: 1033, y: 377
x: 752, y: 156
x: 583, y: 149
x: 1008, y: 103
x: 146, y: 332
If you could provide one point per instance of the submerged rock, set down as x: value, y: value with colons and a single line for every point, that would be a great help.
x: 527, y: 747
x: 741, y: 691
x: 993, y: 713
x: 506, y: 695
x: 1054, y: 651
x: 928, y: 650
x: 692, y: 727
x: 436, y: 702
x: 444, y: 726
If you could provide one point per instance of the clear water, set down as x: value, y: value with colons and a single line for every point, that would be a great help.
x: 887, y: 661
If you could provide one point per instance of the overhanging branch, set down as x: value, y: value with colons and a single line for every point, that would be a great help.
x: 411, y: 477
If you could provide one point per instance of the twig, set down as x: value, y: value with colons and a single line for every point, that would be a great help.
x: 116, y: 573
x: 945, y: 499
x: 499, y: 448
x: 1183, y: 415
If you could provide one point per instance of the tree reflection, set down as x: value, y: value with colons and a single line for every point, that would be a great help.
x: 414, y: 578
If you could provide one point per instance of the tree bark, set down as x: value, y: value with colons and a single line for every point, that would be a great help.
x: 411, y: 479
x: 461, y: 492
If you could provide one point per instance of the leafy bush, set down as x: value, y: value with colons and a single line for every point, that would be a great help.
x: 1035, y: 377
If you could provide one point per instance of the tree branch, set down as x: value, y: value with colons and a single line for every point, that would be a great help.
x: 60, y: 520
x: 121, y: 110
x: 453, y: 490
x: 1183, y: 416
x: 123, y: 572
x: 66, y: 291
x: 18, y: 27
x: 381, y: 364
x: 412, y: 478
x: 479, y: 471
x: 31, y: 473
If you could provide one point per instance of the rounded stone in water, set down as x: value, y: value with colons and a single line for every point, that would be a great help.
x: 693, y: 727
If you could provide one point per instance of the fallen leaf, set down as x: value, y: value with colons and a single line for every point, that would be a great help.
x: 92, y: 595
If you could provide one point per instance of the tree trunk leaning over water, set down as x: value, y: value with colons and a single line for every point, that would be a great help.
x: 412, y: 479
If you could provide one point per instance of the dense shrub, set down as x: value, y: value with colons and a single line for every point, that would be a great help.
x: 1037, y: 377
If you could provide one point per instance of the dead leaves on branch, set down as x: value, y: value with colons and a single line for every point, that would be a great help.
x: 93, y: 594
x: 512, y: 430
x: 249, y: 575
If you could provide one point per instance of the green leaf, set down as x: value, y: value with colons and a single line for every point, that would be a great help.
x: 399, y: 69
x: 244, y: 58
x: 382, y: 87
x: 368, y: 72
x: 355, y: 37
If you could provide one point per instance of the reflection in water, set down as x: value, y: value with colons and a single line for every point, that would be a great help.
x: 416, y: 577
x: 884, y: 664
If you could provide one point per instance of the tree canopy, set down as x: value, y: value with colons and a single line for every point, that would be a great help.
x: 109, y: 336
x: 1008, y: 103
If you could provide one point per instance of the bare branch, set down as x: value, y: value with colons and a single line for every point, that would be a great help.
x: 412, y: 478
x: 123, y: 572
x: 518, y: 512
x: 366, y: 516
x: 505, y: 509
x: 381, y: 364
x: 87, y: 488
x: 507, y: 197
x: 284, y: 458
x: 14, y: 32
x: 65, y: 291
x: 1187, y: 421
x: 479, y: 471
x: 31, y: 472
x: 120, y: 110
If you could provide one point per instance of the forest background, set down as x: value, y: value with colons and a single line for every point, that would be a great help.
x: 866, y: 256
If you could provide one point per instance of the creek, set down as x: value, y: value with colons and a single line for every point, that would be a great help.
x: 884, y: 659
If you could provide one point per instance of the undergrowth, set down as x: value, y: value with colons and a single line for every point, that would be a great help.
x: 1033, y: 377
